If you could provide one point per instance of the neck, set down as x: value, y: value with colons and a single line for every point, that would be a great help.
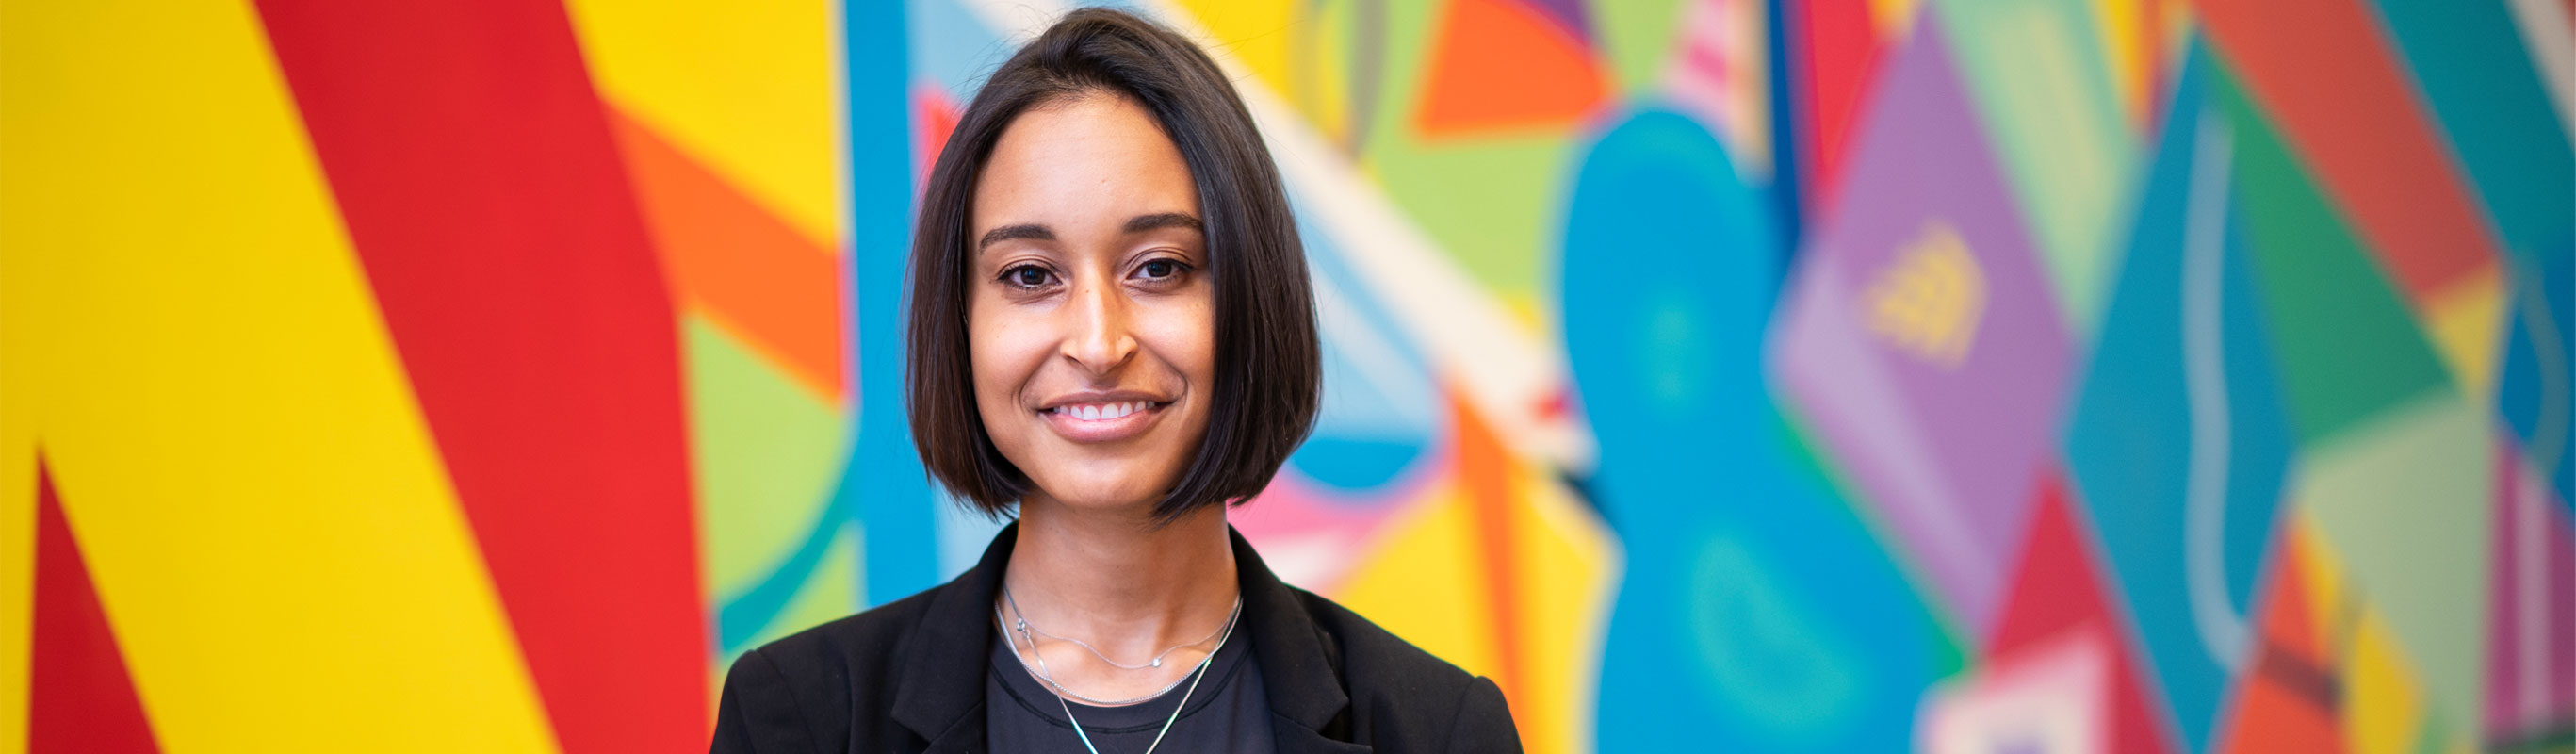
x: 1115, y: 579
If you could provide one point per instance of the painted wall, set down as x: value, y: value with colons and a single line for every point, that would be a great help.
x: 1747, y: 375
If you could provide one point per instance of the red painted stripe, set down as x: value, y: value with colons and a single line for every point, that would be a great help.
x: 82, y: 699
x: 1839, y: 45
x: 478, y: 178
x: 2324, y: 73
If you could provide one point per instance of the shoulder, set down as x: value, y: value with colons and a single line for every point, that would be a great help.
x: 798, y: 693
x: 1401, y: 694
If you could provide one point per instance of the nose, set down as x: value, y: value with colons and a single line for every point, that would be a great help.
x: 1099, y: 339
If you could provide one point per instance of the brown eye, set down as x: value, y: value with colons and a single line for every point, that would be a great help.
x: 1026, y: 276
x: 1160, y: 268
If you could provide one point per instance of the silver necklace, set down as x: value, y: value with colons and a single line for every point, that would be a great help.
x: 1022, y: 626
x: 1197, y: 675
x: 1156, y: 662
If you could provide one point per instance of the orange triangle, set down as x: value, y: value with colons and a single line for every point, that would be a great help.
x: 1500, y: 65
x: 81, y: 698
x: 2290, y: 693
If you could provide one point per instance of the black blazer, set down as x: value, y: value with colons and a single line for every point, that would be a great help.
x: 909, y: 677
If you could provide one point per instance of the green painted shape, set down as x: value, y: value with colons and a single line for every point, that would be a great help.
x: 1637, y: 38
x: 1492, y: 203
x: 2347, y: 347
x: 2036, y: 73
x: 2401, y: 502
x: 833, y: 592
x: 1487, y: 200
x: 767, y: 454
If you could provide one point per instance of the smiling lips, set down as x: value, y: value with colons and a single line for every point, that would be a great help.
x: 1103, y: 422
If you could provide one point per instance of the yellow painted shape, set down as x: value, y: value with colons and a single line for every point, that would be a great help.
x: 1566, y: 561
x: 1894, y: 18
x: 1323, y: 80
x: 1425, y: 582
x: 192, y: 342
x: 2117, y: 22
x: 2323, y: 580
x: 2381, y: 706
x: 2465, y: 321
x: 747, y: 87
x: 1257, y: 33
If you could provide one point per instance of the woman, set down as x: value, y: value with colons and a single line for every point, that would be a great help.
x: 1112, y: 332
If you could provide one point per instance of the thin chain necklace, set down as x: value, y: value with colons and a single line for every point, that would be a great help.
x: 1095, y: 651
x: 1023, y: 627
x: 1196, y: 675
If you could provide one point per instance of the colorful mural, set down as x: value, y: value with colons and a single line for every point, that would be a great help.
x: 1748, y: 375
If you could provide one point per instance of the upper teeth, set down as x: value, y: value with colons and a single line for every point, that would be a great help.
x: 1101, y: 411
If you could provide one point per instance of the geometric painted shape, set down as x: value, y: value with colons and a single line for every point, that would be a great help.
x: 2045, y: 95
x: 2288, y: 698
x: 2324, y: 72
x: 83, y: 700
x: 735, y: 262
x: 480, y: 184
x: 1744, y: 617
x: 1502, y: 65
x: 747, y: 88
x: 2176, y: 439
x: 766, y: 456
x: 1837, y: 53
x: 2480, y: 86
x: 2393, y: 503
x: 1921, y: 338
x: 2531, y: 614
x: 1381, y: 410
x: 187, y: 334
x: 2536, y: 378
x: 1720, y: 71
x: 2045, y: 699
x: 2061, y: 596
x: 882, y: 481
x: 2348, y: 347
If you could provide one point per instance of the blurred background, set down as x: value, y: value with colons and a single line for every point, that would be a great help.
x: 1749, y: 375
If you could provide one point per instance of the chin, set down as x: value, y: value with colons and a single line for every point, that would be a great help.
x: 1095, y: 491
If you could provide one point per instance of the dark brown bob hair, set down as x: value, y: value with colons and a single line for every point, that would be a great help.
x: 1268, y: 364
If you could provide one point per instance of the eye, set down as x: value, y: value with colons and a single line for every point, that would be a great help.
x: 1027, y: 276
x: 1161, y: 270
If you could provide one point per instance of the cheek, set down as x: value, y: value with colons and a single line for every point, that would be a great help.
x: 1184, y: 335
x: 1003, y: 352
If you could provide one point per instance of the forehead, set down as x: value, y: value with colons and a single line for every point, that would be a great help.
x: 1082, y: 165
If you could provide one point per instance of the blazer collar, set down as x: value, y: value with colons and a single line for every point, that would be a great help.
x: 941, y: 694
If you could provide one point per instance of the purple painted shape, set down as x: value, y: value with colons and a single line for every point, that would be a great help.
x: 1568, y: 15
x: 1949, y: 453
x: 2531, y: 680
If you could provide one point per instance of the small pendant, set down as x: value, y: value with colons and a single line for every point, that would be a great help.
x: 1158, y: 662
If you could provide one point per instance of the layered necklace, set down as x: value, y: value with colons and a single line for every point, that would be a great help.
x: 1018, y: 629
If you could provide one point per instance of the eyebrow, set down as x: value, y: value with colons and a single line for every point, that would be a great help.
x: 1137, y: 224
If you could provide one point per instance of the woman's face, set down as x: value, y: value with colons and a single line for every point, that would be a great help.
x: 1090, y: 316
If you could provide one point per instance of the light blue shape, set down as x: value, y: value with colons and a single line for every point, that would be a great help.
x: 1756, y: 613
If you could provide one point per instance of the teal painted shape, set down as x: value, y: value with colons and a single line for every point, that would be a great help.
x: 2470, y: 63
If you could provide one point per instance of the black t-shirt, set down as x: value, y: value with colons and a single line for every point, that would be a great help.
x: 1228, y: 712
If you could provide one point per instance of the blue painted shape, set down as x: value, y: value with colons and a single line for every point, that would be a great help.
x: 1755, y: 605
x: 2129, y: 444
x: 1381, y: 409
x: 958, y: 50
x: 2483, y: 91
x: 2520, y: 385
x: 741, y: 617
x: 883, y: 484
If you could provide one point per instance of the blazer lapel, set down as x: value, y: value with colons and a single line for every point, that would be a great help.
x: 1300, y: 665
x: 941, y: 695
